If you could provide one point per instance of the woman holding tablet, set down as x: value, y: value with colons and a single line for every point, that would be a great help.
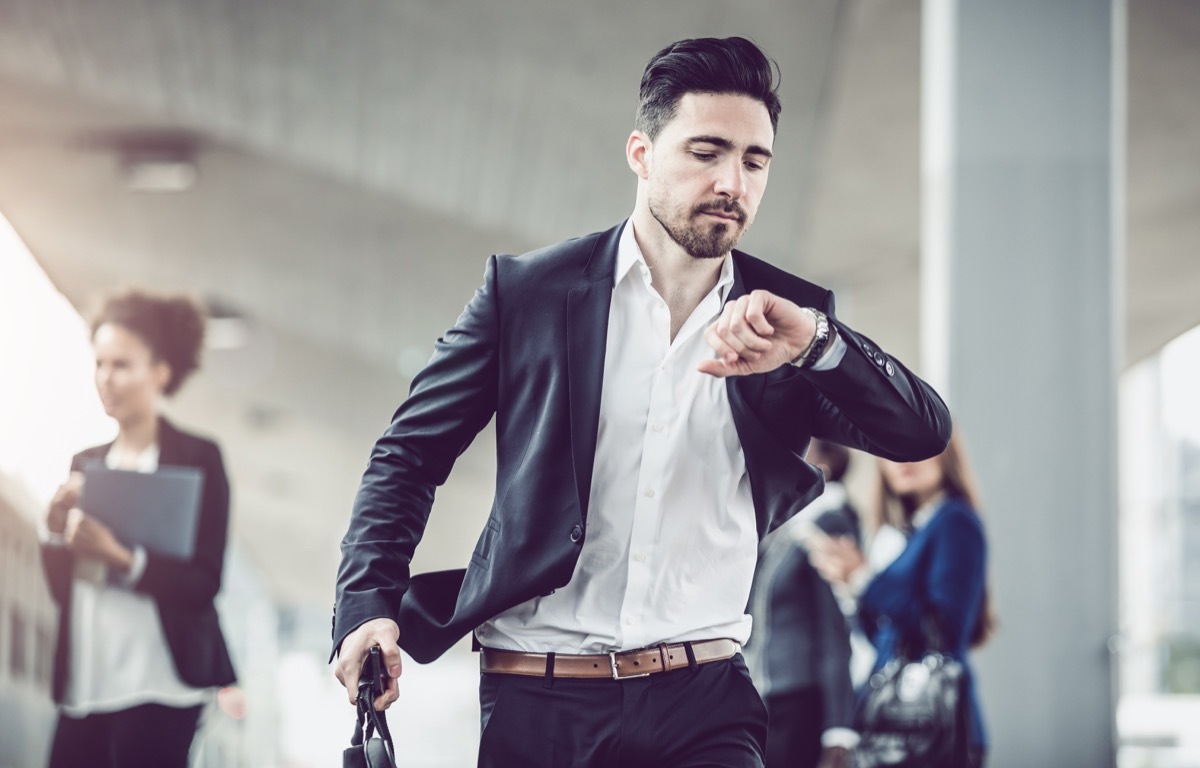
x: 139, y: 645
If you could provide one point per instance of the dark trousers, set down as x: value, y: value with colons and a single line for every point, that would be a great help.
x: 794, y: 735
x: 708, y: 716
x: 150, y: 735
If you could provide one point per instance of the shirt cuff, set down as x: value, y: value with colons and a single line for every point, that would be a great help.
x: 50, y: 538
x: 832, y: 355
x: 839, y: 737
x: 136, y: 569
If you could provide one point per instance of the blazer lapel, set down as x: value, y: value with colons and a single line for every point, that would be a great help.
x: 588, y: 306
x: 169, y: 449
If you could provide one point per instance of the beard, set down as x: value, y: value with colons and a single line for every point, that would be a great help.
x: 700, y: 237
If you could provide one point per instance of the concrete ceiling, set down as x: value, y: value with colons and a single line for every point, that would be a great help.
x: 359, y: 160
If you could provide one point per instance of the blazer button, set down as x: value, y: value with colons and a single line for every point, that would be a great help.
x: 891, y: 369
x: 879, y: 359
x: 576, y: 534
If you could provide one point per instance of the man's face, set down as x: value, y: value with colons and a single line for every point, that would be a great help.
x: 708, y: 170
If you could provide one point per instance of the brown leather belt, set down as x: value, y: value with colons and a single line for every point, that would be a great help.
x: 619, y: 665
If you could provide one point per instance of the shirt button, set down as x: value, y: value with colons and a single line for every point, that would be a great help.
x: 630, y: 620
x: 576, y: 534
x: 657, y: 427
x: 640, y: 557
x: 649, y: 492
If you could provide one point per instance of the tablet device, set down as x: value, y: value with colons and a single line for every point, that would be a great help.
x: 157, y: 510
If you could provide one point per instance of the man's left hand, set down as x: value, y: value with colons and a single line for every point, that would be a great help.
x: 757, y: 333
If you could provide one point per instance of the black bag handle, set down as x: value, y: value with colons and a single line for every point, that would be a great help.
x: 376, y: 752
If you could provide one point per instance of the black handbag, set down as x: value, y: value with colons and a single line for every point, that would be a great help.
x: 371, y: 745
x: 914, y: 713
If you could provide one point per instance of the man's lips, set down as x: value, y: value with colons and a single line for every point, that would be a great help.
x: 724, y: 215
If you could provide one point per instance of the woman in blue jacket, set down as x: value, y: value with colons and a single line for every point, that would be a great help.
x: 941, y: 568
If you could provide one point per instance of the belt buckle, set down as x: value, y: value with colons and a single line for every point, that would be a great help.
x: 616, y: 675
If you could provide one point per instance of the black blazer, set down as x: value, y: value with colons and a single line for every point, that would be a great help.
x: 529, y: 349
x: 183, y: 590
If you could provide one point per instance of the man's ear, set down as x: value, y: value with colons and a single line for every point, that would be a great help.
x: 639, y: 151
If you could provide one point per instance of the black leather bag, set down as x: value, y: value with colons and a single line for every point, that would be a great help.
x: 914, y: 711
x: 371, y: 745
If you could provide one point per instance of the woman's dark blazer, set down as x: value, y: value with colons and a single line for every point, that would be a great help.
x: 943, y: 568
x: 183, y: 589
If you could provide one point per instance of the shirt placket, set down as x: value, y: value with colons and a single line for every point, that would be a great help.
x: 637, y: 604
x: 643, y: 559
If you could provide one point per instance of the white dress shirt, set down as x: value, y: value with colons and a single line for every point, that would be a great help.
x: 671, y: 537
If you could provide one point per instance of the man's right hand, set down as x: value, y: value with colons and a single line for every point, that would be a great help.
x: 353, y: 652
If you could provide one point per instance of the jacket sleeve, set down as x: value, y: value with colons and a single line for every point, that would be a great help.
x: 450, y: 401
x: 194, y: 583
x: 872, y: 402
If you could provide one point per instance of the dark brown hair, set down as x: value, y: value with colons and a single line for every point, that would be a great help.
x: 957, y: 482
x: 705, y: 65
x: 171, y: 326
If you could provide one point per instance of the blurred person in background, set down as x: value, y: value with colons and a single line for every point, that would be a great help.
x: 942, y: 569
x: 654, y: 392
x: 139, y: 649
x: 799, y: 651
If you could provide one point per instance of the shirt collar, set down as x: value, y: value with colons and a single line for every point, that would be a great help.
x: 926, y: 511
x: 629, y: 255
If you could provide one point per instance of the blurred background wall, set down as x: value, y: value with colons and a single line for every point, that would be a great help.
x: 330, y: 177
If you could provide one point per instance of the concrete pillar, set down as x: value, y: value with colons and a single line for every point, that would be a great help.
x: 1023, y: 108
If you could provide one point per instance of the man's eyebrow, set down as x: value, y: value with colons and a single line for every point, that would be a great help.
x: 724, y: 143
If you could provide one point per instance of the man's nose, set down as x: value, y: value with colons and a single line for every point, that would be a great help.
x: 731, y: 180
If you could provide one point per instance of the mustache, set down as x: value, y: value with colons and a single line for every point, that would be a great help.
x: 729, y: 207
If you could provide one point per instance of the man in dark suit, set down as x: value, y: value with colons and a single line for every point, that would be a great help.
x: 654, y: 392
x: 799, y: 653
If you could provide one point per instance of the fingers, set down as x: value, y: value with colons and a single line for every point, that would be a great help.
x: 742, y: 330
x: 65, y: 499
x: 86, y: 535
x: 353, y: 652
x: 391, y: 662
x: 390, y: 694
x: 756, y: 333
x: 835, y: 557
x: 74, y: 520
